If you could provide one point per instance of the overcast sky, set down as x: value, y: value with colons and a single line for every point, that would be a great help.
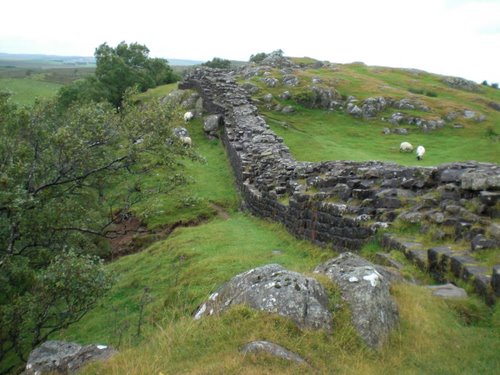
x: 452, y: 37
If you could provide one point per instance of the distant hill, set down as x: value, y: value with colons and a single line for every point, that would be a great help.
x: 71, y: 60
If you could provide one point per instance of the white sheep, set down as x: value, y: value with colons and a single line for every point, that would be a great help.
x: 420, y: 152
x: 405, y: 147
x: 186, y: 141
x: 188, y: 116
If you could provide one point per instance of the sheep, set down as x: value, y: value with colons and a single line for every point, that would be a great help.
x: 186, y: 141
x: 188, y: 116
x: 405, y: 147
x: 420, y: 152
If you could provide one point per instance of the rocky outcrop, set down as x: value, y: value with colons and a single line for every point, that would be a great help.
x: 274, y: 289
x: 64, y: 357
x: 461, y: 84
x: 365, y: 287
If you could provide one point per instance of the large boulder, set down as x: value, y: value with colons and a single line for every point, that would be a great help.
x: 365, y: 287
x: 211, y: 125
x: 64, y: 357
x: 274, y: 289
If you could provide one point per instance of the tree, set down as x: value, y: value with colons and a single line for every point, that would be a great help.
x: 217, y: 62
x: 125, y: 66
x: 257, y: 58
x: 57, y: 173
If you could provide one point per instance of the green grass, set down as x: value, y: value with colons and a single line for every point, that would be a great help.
x: 314, y: 135
x: 27, y: 90
x: 210, y: 186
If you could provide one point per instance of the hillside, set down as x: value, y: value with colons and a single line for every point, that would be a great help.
x: 198, y: 238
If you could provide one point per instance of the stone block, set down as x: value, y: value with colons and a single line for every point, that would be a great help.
x: 495, y: 280
x: 439, y: 260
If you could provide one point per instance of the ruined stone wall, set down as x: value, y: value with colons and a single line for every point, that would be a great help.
x: 340, y: 203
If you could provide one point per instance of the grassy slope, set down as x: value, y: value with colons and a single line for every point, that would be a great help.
x: 181, y: 271
x: 314, y: 135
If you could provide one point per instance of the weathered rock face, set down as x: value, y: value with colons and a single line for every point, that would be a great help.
x: 64, y: 357
x: 374, y: 312
x: 273, y: 289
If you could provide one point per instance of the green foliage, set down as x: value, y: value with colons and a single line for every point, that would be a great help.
x: 127, y: 66
x: 117, y: 70
x: 217, y: 62
x: 257, y: 58
x: 58, y: 296
x: 58, y: 174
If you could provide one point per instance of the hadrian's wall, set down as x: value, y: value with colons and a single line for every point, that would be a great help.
x: 343, y: 203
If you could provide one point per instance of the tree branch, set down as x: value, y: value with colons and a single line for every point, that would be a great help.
x: 78, y: 178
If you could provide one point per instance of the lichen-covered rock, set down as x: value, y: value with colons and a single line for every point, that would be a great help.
x: 273, y: 349
x: 64, y: 357
x: 274, y: 289
x: 366, y: 289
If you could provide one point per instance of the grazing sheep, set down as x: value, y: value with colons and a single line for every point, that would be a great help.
x: 405, y: 147
x: 188, y: 116
x: 186, y: 141
x: 420, y: 152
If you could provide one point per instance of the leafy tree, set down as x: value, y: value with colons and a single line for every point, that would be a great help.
x: 125, y: 66
x: 58, y: 192
x: 217, y: 62
x: 257, y: 58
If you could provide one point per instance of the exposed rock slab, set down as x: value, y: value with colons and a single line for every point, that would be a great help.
x: 274, y: 289
x: 64, y: 357
x: 366, y: 290
x: 448, y: 291
x: 273, y: 349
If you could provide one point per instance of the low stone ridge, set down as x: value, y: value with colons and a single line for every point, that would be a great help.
x: 274, y: 289
x: 366, y: 290
x: 272, y: 349
x: 64, y: 357
x: 343, y: 203
x: 442, y: 263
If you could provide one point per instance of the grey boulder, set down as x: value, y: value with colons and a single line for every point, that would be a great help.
x: 365, y: 287
x: 276, y: 290
x: 64, y: 357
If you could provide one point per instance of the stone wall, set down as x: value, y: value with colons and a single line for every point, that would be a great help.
x: 341, y: 203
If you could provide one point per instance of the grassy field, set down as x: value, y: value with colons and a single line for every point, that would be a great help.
x: 26, y: 90
x: 39, y: 77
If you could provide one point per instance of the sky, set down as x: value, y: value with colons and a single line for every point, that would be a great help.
x: 449, y: 37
